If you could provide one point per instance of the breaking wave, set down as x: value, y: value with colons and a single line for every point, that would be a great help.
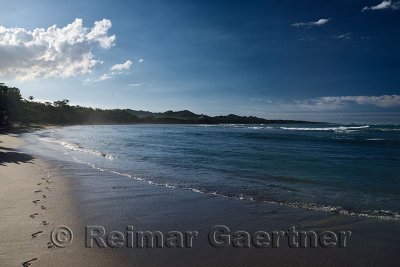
x: 339, y: 128
x: 385, y: 215
x: 75, y: 147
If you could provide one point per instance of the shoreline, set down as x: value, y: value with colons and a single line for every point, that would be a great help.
x: 36, y: 200
x: 5, y: 129
x: 78, y: 196
x: 380, y: 215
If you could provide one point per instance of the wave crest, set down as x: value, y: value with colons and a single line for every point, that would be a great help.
x: 75, y: 147
x: 385, y: 215
x: 339, y: 128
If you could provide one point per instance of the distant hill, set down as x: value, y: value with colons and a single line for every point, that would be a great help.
x: 16, y: 110
x: 140, y: 113
x: 188, y: 117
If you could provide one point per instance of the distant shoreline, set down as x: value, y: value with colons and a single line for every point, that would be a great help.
x: 35, y: 126
x: 17, y: 110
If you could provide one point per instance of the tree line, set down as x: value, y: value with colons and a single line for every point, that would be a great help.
x: 16, y: 110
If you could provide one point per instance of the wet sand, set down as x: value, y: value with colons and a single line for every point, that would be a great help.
x: 40, y: 194
x: 115, y: 202
x: 34, y: 201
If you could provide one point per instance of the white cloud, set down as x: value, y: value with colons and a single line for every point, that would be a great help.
x: 387, y: 4
x: 134, y: 84
x: 343, y: 36
x: 340, y: 102
x: 105, y: 76
x: 319, y: 22
x: 38, y: 100
x: 307, y: 39
x: 140, y: 60
x: 260, y: 100
x: 123, y: 66
x: 115, y: 70
x: 54, y: 51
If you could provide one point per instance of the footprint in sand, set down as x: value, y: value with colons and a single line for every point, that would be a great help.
x: 34, y: 235
x: 44, y: 196
x: 38, y: 191
x: 45, y: 223
x: 39, y: 184
x: 36, y: 201
x: 43, y: 207
x: 28, y: 263
x: 34, y: 215
x: 50, y: 245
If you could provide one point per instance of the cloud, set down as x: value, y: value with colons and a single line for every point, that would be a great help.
x: 343, y: 36
x: 260, y: 100
x: 134, y: 84
x: 52, y: 52
x: 38, y: 100
x: 340, y: 102
x: 140, y: 60
x: 387, y: 4
x: 105, y: 76
x: 307, y: 39
x: 115, y: 70
x: 123, y: 66
x: 319, y: 22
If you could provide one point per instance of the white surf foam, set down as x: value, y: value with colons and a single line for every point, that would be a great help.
x: 75, y: 147
x: 339, y: 128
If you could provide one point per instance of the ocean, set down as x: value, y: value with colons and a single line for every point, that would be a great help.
x: 345, y: 169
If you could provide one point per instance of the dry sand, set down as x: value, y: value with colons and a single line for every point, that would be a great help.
x: 34, y: 201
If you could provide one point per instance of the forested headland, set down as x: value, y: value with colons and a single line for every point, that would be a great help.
x: 16, y: 110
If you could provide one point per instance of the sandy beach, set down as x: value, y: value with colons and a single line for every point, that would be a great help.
x: 39, y: 195
x: 35, y: 200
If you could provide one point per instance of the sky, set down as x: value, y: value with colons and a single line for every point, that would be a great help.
x: 336, y: 61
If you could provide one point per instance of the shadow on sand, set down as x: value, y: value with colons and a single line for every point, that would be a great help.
x: 8, y: 155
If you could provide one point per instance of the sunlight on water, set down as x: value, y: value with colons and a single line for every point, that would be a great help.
x: 345, y: 169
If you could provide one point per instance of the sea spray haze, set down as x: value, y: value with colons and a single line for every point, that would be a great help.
x: 347, y: 169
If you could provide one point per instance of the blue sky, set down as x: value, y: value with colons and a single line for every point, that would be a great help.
x: 312, y: 60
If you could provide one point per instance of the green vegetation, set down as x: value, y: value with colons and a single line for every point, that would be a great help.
x: 188, y: 117
x: 16, y: 110
x: 10, y: 104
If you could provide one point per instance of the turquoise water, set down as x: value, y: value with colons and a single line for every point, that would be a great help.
x: 347, y: 169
